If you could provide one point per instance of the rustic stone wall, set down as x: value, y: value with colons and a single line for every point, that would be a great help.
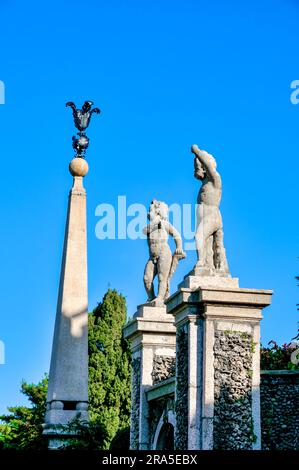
x: 135, y: 409
x: 181, y: 405
x: 163, y: 368
x: 280, y: 410
x: 233, y: 426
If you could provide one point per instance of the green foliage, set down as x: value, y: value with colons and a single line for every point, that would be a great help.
x: 252, y: 346
x: 22, y: 428
x: 91, y: 436
x: 109, y: 368
x: 278, y: 357
x: 81, y: 435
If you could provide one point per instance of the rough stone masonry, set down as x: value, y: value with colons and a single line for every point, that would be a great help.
x: 280, y: 410
x: 233, y: 382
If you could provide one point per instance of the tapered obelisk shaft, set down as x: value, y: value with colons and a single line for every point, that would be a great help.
x: 68, y: 372
x: 68, y: 379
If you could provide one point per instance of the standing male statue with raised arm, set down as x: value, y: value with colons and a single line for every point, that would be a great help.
x: 209, y: 233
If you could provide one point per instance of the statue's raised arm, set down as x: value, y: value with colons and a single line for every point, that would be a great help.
x: 208, y: 163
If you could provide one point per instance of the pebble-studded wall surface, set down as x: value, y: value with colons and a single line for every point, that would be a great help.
x: 163, y: 368
x: 181, y: 405
x: 233, y: 427
x: 134, y: 439
x: 280, y: 410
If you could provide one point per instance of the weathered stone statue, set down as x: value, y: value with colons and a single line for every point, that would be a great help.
x: 209, y: 232
x: 161, y: 262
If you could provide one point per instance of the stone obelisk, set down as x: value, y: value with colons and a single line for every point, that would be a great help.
x: 67, y: 397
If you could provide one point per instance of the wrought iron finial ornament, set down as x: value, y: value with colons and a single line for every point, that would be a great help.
x: 82, y: 116
x: 81, y: 120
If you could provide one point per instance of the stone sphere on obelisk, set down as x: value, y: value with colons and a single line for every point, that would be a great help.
x: 67, y: 397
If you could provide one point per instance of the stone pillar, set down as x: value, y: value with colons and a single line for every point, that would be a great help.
x: 152, y: 336
x: 68, y: 378
x: 218, y: 364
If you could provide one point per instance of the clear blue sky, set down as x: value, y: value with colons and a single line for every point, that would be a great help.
x: 166, y: 74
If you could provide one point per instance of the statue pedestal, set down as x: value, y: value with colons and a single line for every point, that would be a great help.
x: 217, y: 365
x: 194, y: 282
x: 152, y: 335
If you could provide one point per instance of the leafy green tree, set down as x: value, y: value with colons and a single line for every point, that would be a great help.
x: 22, y: 428
x: 109, y: 368
x: 109, y: 389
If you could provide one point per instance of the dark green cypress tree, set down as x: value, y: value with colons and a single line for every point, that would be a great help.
x: 109, y: 368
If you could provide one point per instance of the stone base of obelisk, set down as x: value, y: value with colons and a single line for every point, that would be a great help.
x: 152, y: 334
x: 59, y: 439
x: 217, y: 363
x: 60, y: 427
